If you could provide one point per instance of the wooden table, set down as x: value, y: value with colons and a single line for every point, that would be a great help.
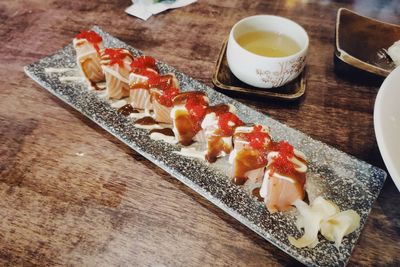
x: 72, y: 194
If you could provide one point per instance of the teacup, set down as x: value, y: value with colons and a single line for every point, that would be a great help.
x: 264, y: 71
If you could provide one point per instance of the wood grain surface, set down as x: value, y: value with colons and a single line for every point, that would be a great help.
x: 73, y: 195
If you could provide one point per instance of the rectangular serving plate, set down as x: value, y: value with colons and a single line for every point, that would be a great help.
x: 349, y: 182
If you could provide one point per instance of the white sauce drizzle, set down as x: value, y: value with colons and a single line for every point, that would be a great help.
x: 191, y: 152
x: 59, y: 70
x: 138, y: 115
x: 101, y: 85
x: 162, y: 137
x: 119, y: 103
x: 148, y: 127
x: 102, y: 94
x: 249, y: 129
x: 71, y: 79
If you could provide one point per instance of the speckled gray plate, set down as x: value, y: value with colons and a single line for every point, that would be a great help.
x: 349, y: 182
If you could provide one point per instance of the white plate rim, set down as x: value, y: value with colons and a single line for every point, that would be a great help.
x: 384, y: 149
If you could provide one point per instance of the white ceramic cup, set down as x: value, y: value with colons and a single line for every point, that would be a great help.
x: 262, y: 71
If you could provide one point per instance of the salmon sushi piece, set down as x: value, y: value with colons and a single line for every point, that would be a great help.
x: 163, y: 89
x: 162, y: 113
x: 187, y: 114
x: 219, y: 125
x: 115, y: 63
x: 140, y: 99
x: 89, y: 65
x: 88, y: 46
x: 162, y: 103
x: 249, y: 156
x: 139, y: 94
x: 143, y: 68
x: 284, y: 178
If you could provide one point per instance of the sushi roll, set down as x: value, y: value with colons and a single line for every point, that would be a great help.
x: 163, y: 89
x: 219, y: 125
x: 187, y: 114
x: 115, y: 63
x: 88, y: 45
x: 249, y: 156
x: 284, y: 178
x: 139, y: 90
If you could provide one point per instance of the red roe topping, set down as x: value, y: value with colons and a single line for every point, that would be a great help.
x: 281, y: 163
x: 257, y: 138
x: 227, y: 122
x: 143, y: 62
x: 116, y: 55
x: 196, y: 105
x: 163, y: 82
x: 284, y: 148
x: 167, y: 96
x: 149, y: 73
x: 92, y: 38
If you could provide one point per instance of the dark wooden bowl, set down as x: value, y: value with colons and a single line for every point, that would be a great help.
x: 360, y: 42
